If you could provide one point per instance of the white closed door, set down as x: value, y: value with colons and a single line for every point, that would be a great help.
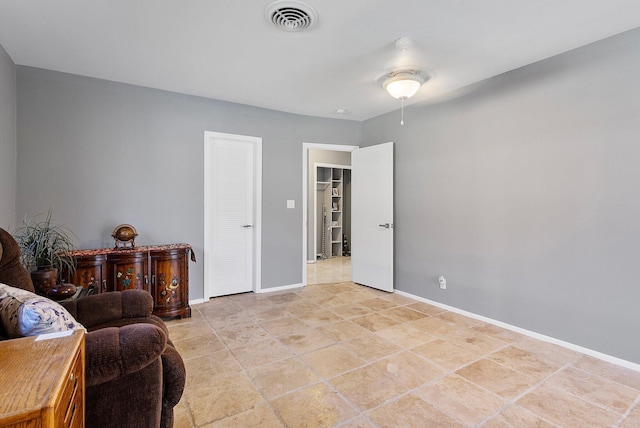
x: 230, y: 213
x: 372, y: 216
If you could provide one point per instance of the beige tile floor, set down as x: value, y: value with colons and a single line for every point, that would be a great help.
x: 335, y: 269
x: 345, y: 355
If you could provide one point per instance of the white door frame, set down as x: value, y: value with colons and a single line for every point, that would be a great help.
x: 305, y: 192
x: 257, y: 206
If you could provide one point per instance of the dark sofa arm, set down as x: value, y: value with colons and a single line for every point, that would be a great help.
x: 103, y: 308
x: 114, y: 352
x: 174, y: 376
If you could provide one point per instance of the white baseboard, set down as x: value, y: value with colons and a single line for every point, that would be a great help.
x: 262, y: 290
x: 533, y: 334
x: 281, y: 288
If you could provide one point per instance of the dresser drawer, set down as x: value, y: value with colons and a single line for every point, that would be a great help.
x: 70, y: 409
x: 43, y: 381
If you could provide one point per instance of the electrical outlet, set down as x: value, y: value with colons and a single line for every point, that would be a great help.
x: 443, y: 282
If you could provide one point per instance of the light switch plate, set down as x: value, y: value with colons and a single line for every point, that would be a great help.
x: 291, y: 203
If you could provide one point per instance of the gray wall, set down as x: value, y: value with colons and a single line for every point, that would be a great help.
x: 524, y: 191
x: 7, y: 141
x: 102, y: 153
x: 319, y: 156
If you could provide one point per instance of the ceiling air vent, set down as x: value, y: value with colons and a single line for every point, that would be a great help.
x: 291, y: 15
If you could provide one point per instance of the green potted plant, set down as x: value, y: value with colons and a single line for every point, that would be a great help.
x: 45, y: 250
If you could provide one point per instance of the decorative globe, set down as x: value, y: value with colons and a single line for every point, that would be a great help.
x: 124, y: 234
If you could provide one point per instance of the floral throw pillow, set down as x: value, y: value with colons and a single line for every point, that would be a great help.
x: 23, y: 313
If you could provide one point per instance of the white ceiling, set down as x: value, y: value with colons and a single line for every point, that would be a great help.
x: 227, y: 50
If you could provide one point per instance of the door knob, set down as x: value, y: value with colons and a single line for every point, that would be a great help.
x: 386, y: 225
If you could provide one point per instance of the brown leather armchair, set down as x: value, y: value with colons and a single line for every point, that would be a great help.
x: 134, y: 375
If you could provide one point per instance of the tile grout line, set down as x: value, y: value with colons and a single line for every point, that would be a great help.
x: 628, y: 412
x: 598, y: 405
x: 513, y: 401
x: 243, y: 370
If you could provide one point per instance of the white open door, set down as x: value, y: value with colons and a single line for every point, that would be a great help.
x: 231, y: 216
x: 372, y: 216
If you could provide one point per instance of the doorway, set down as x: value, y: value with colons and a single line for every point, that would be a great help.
x: 338, y: 267
x: 372, y: 213
x: 232, y: 213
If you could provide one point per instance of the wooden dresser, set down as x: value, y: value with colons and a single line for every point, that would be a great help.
x: 42, y: 382
x: 162, y: 270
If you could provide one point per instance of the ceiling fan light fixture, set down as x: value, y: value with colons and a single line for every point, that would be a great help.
x: 403, y: 84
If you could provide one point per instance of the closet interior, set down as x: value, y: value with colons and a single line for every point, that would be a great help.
x: 333, y: 211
